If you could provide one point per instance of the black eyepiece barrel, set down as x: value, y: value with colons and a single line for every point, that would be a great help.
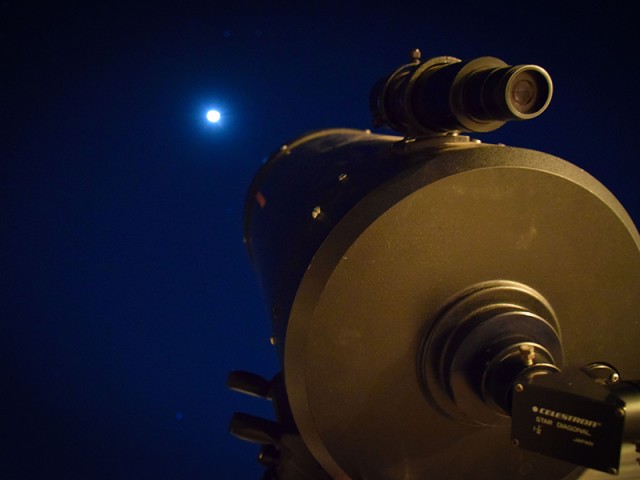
x: 509, y: 93
x: 445, y: 94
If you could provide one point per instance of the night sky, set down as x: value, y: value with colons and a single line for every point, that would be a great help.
x: 127, y: 294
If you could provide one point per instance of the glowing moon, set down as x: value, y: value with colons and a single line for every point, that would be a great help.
x: 213, y: 116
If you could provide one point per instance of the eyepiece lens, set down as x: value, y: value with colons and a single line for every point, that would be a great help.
x: 524, y: 93
x: 528, y: 91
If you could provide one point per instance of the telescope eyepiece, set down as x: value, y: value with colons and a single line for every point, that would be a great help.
x: 528, y: 91
x: 521, y: 92
x: 445, y: 94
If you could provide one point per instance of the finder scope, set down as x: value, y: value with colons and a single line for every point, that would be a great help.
x: 445, y: 94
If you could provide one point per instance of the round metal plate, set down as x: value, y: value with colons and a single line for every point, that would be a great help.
x: 377, y: 283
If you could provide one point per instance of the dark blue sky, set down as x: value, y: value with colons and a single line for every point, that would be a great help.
x: 127, y: 295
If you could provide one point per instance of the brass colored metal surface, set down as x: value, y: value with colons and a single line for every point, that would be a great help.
x: 376, y: 284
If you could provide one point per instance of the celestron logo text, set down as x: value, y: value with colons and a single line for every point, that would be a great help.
x: 565, y: 417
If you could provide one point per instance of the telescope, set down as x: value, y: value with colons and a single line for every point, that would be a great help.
x: 443, y: 308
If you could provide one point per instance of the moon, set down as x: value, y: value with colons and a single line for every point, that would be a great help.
x: 213, y: 116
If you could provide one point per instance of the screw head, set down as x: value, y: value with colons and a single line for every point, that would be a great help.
x: 519, y: 388
x: 527, y: 354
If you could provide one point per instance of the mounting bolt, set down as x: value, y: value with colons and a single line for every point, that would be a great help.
x: 613, y: 378
x: 519, y: 388
x: 515, y: 442
x: 269, y: 456
x: 620, y: 412
x: 527, y: 353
